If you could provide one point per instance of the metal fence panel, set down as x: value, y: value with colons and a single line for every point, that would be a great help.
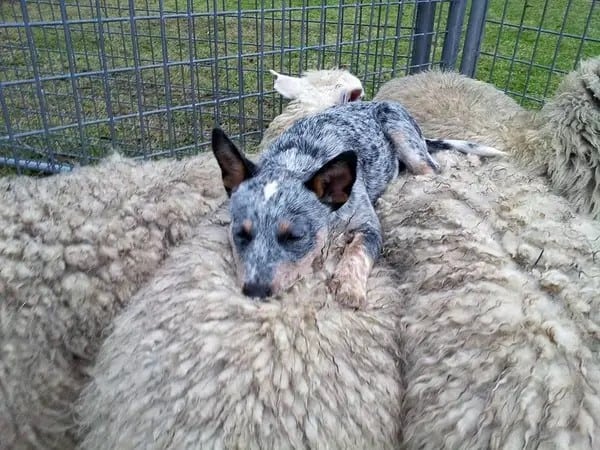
x: 152, y: 77
x: 530, y: 45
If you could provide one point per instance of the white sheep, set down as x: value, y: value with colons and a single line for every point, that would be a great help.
x: 501, y: 325
x: 562, y: 140
x: 192, y: 363
x: 75, y: 247
x: 503, y: 322
x: 481, y: 331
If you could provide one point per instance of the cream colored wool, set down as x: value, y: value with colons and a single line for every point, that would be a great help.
x: 562, y: 140
x: 500, y: 280
x: 73, y: 249
x: 192, y: 363
x: 570, y: 130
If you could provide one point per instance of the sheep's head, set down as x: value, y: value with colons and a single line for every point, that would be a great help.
x: 324, y: 87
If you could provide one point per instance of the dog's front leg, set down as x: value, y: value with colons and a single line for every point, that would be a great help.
x: 349, y: 283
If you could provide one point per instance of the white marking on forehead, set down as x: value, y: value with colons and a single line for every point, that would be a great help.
x: 270, y: 189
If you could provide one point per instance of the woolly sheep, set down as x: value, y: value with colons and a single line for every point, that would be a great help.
x: 192, y: 363
x: 483, y: 315
x: 502, y: 320
x: 562, y: 140
x: 74, y: 248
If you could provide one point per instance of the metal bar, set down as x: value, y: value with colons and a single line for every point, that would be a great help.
x: 34, y: 165
x: 516, y: 46
x: 454, y: 26
x: 104, y: 71
x: 192, y: 54
x: 584, y: 36
x: 9, y: 130
x: 423, y: 33
x: 74, y: 85
x: 38, y: 84
x: 535, y: 47
x: 557, y: 49
x: 474, y: 36
x: 138, y: 75
x: 166, y: 74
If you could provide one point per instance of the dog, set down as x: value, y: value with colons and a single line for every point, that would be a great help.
x: 323, y: 175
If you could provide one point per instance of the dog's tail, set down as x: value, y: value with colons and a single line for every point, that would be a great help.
x: 435, y: 145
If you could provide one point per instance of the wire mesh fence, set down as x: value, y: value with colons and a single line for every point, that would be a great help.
x: 530, y: 45
x: 150, y: 78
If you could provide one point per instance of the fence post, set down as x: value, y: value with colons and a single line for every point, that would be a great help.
x: 474, y: 36
x: 423, y: 34
x: 456, y: 17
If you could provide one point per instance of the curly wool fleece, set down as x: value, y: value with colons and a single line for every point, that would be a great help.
x: 495, y: 341
x: 501, y: 324
x: 73, y: 249
x: 192, y: 363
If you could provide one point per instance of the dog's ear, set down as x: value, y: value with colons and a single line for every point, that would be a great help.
x: 333, y: 182
x: 351, y: 95
x: 289, y: 87
x: 235, y: 167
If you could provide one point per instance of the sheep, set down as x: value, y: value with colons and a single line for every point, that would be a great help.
x: 74, y: 248
x: 313, y: 92
x: 482, y: 323
x: 562, y: 140
x: 192, y: 363
x: 502, y: 321
x: 503, y: 276
x: 497, y: 288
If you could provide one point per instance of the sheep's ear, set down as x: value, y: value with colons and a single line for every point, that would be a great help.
x: 351, y: 95
x: 333, y: 182
x: 289, y: 87
x: 235, y: 167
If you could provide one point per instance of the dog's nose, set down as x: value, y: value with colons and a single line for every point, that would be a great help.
x: 257, y: 290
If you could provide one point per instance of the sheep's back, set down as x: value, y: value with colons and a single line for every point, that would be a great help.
x: 502, y: 312
x: 194, y: 364
x: 73, y: 249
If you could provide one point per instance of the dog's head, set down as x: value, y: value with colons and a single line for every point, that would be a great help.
x: 325, y: 87
x: 279, y: 220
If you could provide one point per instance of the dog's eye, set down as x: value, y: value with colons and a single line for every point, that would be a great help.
x: 289, y: 237
x: 243, y: 237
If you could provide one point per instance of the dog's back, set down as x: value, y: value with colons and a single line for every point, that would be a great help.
x: 359, y: 127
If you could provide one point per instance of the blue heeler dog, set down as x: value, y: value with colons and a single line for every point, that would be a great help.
x: 323, y: 175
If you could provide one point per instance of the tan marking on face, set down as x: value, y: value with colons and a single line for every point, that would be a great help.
x: 288, y: 273
x: 247, y: 226
x: 283, y: 227
x: 350, y: 279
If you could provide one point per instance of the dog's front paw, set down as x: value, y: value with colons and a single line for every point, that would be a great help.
x: 348, y: 292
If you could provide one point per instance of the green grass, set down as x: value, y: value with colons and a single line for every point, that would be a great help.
x: 369, y: 50
x: 540, y: 56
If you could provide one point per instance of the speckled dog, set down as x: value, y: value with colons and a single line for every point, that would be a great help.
x: 322, y: 176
